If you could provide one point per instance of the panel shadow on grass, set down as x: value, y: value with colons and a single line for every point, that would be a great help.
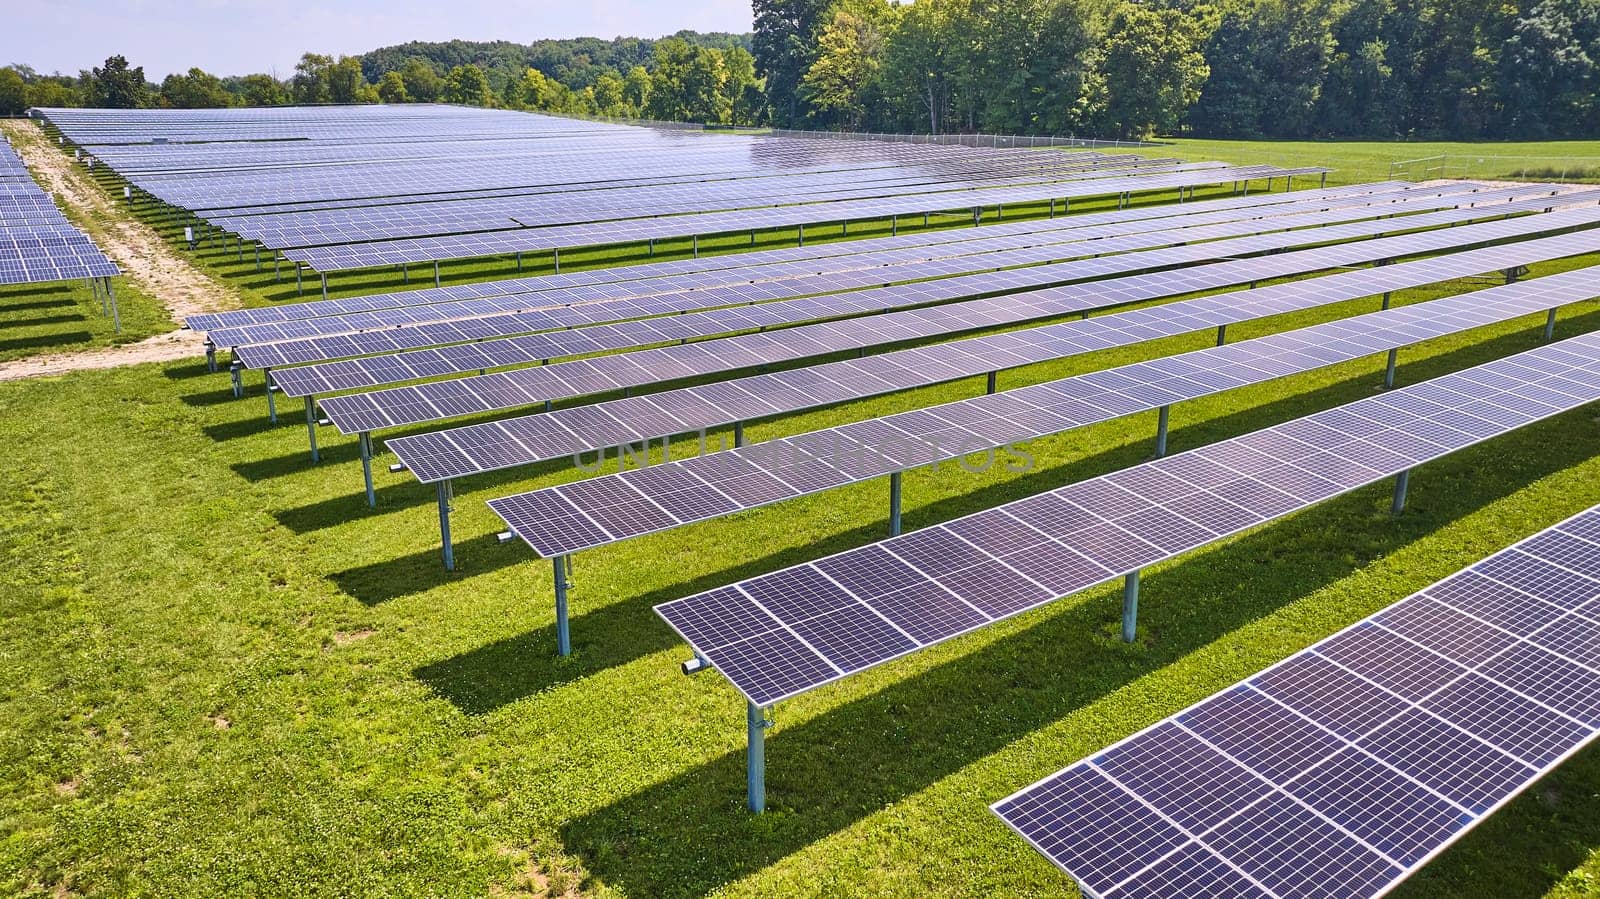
x: 690, y: 834
x: 45, y: 341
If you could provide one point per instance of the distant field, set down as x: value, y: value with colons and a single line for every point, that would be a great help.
x: 1371, y: 160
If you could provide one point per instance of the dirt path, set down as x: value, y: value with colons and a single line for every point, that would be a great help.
x: 146, y: 260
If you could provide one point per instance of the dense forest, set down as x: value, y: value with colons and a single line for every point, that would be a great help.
x: 1467, y: 69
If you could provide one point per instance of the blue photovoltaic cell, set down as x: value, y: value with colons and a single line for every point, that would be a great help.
x: 1357, y: 797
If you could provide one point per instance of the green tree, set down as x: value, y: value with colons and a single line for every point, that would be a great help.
x: 392, y: 88
x: 636, y: 90
x: 1550, y: 72
x: 467, y: 85
x: 195, y: 89
x: 608, y: 89
x: 847, y: 69
x: 116, y: 85
x: 1151, y: 69
x: 921, y: 56
x: 51, y: 92
x: 742, y: 89
x: 534, y: 92
x: 13, y: 92
x: 687, y: 84
x: 346, y: 81
x: 423, y: 84
x: 1268, y: 63
x: 263, y: 90
x: 785, y: 44
x: 310, y: 82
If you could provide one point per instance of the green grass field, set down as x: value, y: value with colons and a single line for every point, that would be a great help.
x: 65, y: 316
x: 221, y: 674
x: 1357, y: 161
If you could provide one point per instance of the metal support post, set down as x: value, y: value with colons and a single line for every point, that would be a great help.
x: 992, y: 378
x: 1388, y: 372
x: 555, y: 259
x: 272, y: 402
x: 894, y: 504
x: 756, y: 759
x: 1222, y: 334
x: 1550, y: 326
x: 235, y: 373
x: 436, y: 273
x: 695, y: 244
x: 311, y: 427
x: 211, y: 357
x: 116, y: 317
x: 1401, y: 481
x: 324, y: 285
x: 1386, y: 297
x: 1130, y: 606
x: 563, y: 633
x: 366, y: 467
x: 738, y: 434
x: 299, y: 289
x: 1161, y: 431
x: 443, y: 491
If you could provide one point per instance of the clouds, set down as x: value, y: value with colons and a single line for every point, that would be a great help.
x: 230, y: 37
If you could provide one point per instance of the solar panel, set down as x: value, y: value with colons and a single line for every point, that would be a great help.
x: 37, y: 242
x: 648, y: 279
x: 1348, y: 766
x: 430, y: 249
x: 690, y: 491
x: 1119, y: 523
x: 409, y: 405
x: 408, y: 329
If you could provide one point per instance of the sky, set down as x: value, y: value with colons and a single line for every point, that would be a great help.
x: 236, y: 37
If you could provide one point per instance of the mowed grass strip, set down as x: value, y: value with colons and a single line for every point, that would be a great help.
x: 225, y: 676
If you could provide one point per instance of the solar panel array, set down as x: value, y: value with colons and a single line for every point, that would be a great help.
x: 555, y: 237
x: 1343, y: 769
x: 456, y: 452
x: 570, y: 281
x: 441, y: 217
x: 354, y: 413
x: 783, y: 633
x: 802, y: 293
x: 37, y: 243
x: 628, y: 291
x: 560, y: 520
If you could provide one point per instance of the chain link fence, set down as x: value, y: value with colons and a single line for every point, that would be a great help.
x: 1560, y: 169
x: 972, y: 140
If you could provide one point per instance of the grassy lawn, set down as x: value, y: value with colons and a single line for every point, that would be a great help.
x: 65, y: 316
x: 1357, y: 161
x: 222, y: 675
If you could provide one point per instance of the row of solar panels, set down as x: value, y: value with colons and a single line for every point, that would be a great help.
x: 714, y: 311
x: 37, y: 243
x: 673, y: 289
x: 710, y: 271
x: 1346, y: 767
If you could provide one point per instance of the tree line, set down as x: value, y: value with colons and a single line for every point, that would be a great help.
x: 1382, y: 69
x: 1228, y: 68
x: 686, y: 77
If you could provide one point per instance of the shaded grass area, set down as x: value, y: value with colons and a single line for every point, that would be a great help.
x: 216, y: 679
x: 65, y: 316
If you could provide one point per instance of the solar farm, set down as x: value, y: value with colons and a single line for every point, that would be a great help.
x: 579, y: 508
